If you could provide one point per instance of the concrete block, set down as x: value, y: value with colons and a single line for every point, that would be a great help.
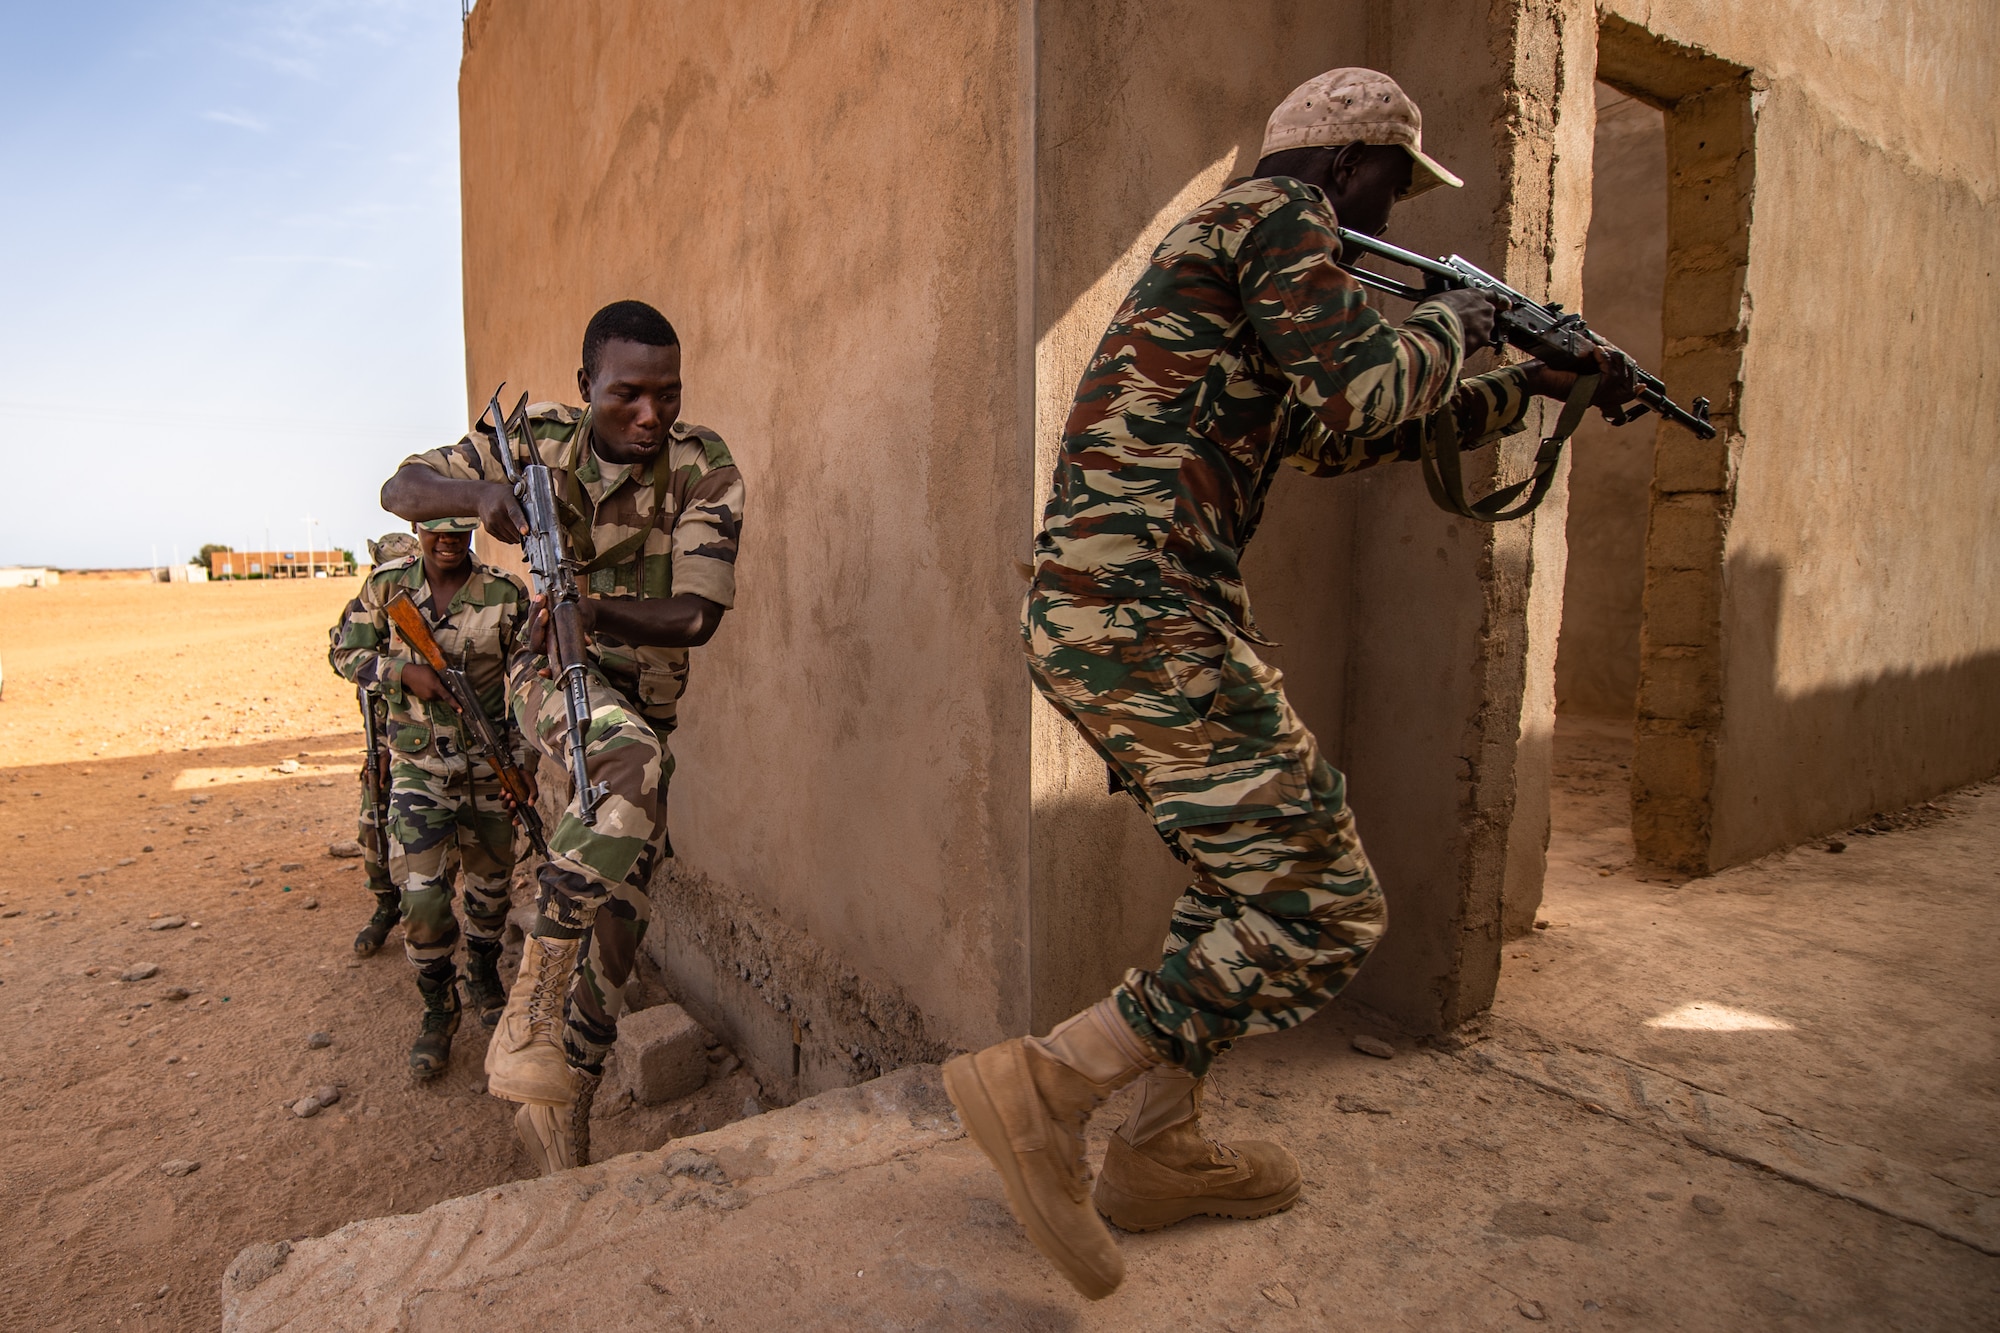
x: 1685, y: 533
x: 1683, y: 608
x: 661, y: 1054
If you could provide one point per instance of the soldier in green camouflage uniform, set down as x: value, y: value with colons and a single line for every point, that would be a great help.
x: 1242, y: 347
x: 654, y: 508
x: 388, y: 898
x: 449, y: 822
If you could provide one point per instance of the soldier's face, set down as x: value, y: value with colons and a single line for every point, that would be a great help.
x: 445, y: 551
x: 1365, y: 182
x: 635, y: 399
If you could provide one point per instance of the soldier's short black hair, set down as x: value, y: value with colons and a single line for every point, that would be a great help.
x: 634, y: 321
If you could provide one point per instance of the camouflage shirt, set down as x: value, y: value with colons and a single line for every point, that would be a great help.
x: 479, y: 633
x: 658, y: 529
x: 1242, y: 345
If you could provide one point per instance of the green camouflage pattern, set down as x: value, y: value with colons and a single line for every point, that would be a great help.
x: 480, y: 632
x: 660, y: 529
x: 439, y: 825
x: 446, y: 813
x: 376, y: 870
x: 595, y: 880
x: 1241, y: 347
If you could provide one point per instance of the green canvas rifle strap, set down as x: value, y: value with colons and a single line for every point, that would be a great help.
x: 1446, y: 482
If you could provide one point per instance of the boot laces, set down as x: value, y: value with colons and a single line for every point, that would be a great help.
x: 546, y: 1001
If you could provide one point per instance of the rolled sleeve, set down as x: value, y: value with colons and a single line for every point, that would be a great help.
x: 460, y: 462
x: 706, y: 534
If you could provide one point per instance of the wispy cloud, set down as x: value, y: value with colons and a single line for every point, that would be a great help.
x: 242, y: 120
x: 335, y: 261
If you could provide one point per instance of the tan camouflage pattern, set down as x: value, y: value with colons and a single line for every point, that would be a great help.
x: 595, y: 880
x: 446, y: 814
x: 440, y: 825
x: 1243, y: 346
x: 376, y: 875
x: 481, y: 631
x: 655, y: 530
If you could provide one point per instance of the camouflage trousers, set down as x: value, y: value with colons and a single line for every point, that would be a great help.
x: 1284, y: 906
x: 594, y: 884
x: 377, y: 870
x: 438, y: 827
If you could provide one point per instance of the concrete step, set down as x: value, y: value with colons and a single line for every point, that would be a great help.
x: 607, y: 1237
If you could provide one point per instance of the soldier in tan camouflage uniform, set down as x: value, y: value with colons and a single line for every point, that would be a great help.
x: 1242, y: 346
x: 656, y: 506
x: 449, y: 822
x: 369, y: 834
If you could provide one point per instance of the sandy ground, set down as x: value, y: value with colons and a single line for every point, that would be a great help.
x: 1762, y: 1100
x: 142, y: 732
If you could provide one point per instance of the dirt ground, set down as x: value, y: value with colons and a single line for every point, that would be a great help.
x: 145, y: 734
x: 1765, y: 1099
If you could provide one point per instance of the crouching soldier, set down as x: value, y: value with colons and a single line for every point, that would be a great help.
x: 370, y: 832
x: 447, y: 810
x: 652, y: 508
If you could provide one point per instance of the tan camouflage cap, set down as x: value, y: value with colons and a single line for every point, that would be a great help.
x: 1344, y: 106
x: 449, y: 525
x: 391, y: 546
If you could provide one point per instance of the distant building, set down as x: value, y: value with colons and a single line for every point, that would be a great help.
x: 24, y: 577
x: 279, y: 564
x: 180, y: 574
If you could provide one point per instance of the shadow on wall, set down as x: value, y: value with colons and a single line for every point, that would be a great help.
x: 1914, y: 733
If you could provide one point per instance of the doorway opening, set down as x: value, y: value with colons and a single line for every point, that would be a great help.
x: 1610, y: 499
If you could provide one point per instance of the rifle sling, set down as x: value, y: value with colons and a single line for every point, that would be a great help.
x: 1445, y: 480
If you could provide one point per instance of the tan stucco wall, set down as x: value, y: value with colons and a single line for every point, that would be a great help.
x: 1143, y: 111
x: 890, y: 237
x: 1857, y: 651
x: 823, y: 200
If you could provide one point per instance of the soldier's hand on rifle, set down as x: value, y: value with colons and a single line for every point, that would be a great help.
x: 538, y: 627
x: 500, y: 513
x: 1615, y: 388
x: 534, y: 791
x: 420, y: 680
x: 1475, y: 311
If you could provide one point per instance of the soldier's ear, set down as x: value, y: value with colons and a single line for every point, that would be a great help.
x: 583, y: 386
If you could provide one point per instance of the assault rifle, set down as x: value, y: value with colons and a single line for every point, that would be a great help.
x: 1559, y: 339
x: 375, y: 772
x: 409, y: 621
x: 555, y: 583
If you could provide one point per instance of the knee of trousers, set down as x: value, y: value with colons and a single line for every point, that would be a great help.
x: 427, y: 916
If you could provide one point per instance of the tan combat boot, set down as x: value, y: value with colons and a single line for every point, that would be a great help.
x: 558, y: 1137
x: 1025, y: 1103
x: 525, y: 1060
x: 1160, y: 1170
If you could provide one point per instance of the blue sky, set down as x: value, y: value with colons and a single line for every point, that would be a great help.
x: 229, y: 270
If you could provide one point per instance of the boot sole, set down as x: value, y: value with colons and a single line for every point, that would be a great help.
x: 1140, y: 1215
x: 988, y: 1132
x: 532, y: 1142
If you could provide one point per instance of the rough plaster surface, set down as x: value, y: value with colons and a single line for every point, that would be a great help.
x: 1819, y: 655
x: 803, y: 1018
x: 823, y: 199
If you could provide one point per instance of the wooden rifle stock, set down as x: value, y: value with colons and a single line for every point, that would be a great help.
x: 409, y: 622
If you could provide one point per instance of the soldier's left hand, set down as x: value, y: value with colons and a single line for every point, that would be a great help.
x: 1615, y: 385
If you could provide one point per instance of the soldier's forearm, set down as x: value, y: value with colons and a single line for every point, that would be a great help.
x: 686, y: 621
x: 417, y: 493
